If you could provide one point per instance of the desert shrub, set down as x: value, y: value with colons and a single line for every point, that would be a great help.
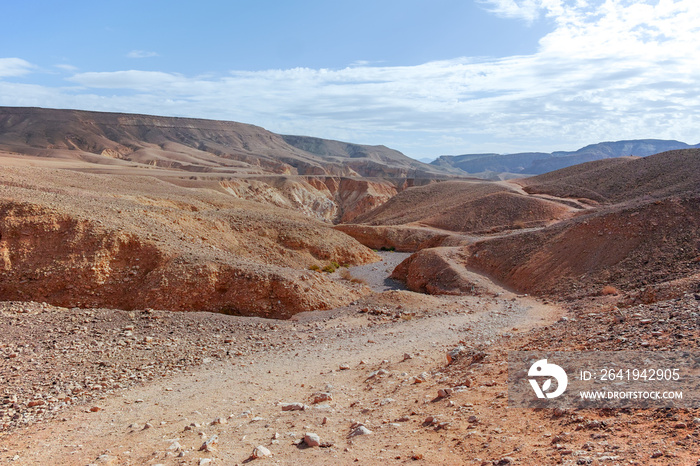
x: 609, y: 291
x: 335, y: 264
x: 346, y: 275
x: 315, y: 268
x: 329, y: 268
x: 519, y: 224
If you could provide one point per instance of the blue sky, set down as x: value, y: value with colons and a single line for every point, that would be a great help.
x: 426, y: 78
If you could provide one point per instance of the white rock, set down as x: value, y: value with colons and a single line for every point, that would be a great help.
x: 175, y: 446
x: 360, y: 430
x: 261, y: 452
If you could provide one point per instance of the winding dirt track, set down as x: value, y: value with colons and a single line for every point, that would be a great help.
x: 246, y: 392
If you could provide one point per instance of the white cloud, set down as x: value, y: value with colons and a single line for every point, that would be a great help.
x: 14, y: 67
x: 609, y: 70
x: 131, y: 79
x: 529, y: 10
x: 65, y: 67
x: 141, y: 54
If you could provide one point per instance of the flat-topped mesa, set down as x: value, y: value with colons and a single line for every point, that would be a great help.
x: 193, y: 145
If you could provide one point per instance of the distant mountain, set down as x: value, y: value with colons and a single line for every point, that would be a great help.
x: 195, y: 145
x: 536, y: 163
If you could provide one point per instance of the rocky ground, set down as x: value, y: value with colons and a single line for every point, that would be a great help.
x: 106, y: 386
x: 370, y: 380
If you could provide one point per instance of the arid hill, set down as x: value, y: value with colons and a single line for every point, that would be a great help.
x: 77, y: 239
x: 624, y: 179
x: 627, y: 248
x: 465, y: 207
x: 451, y: 212
x: 193, y: 145
x: 640, y: 231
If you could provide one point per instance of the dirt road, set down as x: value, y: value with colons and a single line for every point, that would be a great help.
x: 238, y: 399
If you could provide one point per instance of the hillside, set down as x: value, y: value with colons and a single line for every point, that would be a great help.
x: 91, y: 240
x: 623, y: 179
x: 465, y: 207
x: 191, y: 145
x: 535, y: 163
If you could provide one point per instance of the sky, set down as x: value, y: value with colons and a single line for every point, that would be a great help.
x: 427, y: 78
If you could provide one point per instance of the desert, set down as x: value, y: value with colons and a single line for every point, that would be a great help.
x: 183, y: 291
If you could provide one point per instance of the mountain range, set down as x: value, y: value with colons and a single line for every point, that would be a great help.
x: 537, y: 163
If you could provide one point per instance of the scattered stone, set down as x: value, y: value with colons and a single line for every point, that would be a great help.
x: 210, y: 445
x: 445, y: 392
x: 312, y: 440
x: 378, y: 373
x: 175, y: 446
x: 204, y: 461
x: 261, y: 452
x: 344, y: 367
x: 218, y: 421
x: 95, y: 409
x: 430, y: 421
x: 455, y: 353
x: 360, y: 430
x: 657, y: 454
x: 107, y: 460
x: 320, y: 397
x: 294, y: 407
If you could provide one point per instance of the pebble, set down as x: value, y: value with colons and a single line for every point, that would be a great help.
x: 360, y: 430
x: 294, y: 407
x: 210, y: 444
x: 261, y: 452
x: 321, y: 397
x: 455, y: 353
x: 312, y: 439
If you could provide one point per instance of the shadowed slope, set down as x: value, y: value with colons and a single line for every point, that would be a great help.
x: 623, y: 179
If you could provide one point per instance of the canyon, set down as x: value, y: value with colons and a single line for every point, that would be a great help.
x: 172, y: 288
